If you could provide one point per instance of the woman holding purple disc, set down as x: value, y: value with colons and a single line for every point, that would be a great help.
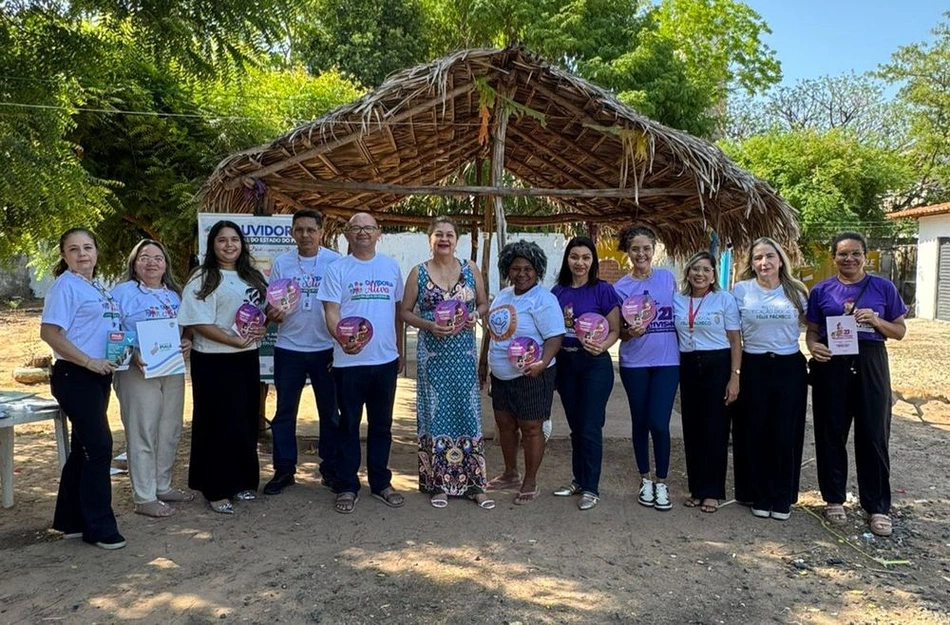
x: 444, y: 298
x: 225, y: 374
x: 708, y: 327
x: 525, y: 327
x: 649, y: 361
x: 585, y: 373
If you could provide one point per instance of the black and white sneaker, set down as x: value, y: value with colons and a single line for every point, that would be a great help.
x: 661, y: 497
x: 116, y: 541
x: 646, y: 496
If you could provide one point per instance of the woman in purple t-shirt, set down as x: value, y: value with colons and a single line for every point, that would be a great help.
x: 585, y: 373
x: 649, y: 360
x: 854, y: 388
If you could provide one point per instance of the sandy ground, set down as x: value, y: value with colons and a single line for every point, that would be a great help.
x: 291, y: 559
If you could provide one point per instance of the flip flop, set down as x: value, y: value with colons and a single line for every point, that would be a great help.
x: 692, y: 502
x: 500, y: 482
x: 525, y: 498
x: 391, y: 498
x: 709, y: 508
x: 155, y: 509
x: 176, y: 494
x: 345, y: 503
x: 439, y: 500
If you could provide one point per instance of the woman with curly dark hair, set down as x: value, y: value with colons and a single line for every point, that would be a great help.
x: 225, y: 374
x: 526, y: 327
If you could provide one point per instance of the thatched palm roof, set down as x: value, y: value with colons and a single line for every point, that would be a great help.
x: 598, y: 160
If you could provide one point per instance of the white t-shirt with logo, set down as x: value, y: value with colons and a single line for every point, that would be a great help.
x: 535, y: 313
x: 138, y: 302
x: 217, y: 309
x: 715, y: 314
x: 371, y: 289
x: 305, y: 329
x: 769, y: 319
x: 85, y: 314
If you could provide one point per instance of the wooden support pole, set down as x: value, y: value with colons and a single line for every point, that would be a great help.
x: 499, y: 132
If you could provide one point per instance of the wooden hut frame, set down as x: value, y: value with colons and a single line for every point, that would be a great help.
x: 597, y: 160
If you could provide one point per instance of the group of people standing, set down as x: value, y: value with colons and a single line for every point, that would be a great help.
x: 695, y: 337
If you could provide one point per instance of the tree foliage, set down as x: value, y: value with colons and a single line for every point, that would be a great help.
x: 923, y: 72
x: 834, y: 180
x: 366, y: 40
x: 130, y: 133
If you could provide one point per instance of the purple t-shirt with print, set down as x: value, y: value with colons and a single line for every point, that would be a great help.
x: 832, y: 297
x: 658, y: 347
x: 599, y: 298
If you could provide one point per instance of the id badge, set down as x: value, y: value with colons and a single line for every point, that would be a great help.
x: 307, y: 302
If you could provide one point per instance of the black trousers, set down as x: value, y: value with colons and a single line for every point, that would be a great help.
x: 772, y: 404
x: 84, y: 501
x: 858, y: 389
x: 703, y: 379
x: 224, y: 423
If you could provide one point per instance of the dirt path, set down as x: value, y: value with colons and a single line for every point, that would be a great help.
x: 291, y: 559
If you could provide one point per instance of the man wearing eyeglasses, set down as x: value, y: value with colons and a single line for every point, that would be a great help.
x: 304, y: 348
x: 363, y: 290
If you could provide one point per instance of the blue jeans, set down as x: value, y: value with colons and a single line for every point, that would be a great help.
x: 651, y: 391
x: 584, y: 383
x: 373, y: 386
x: 291, y: 369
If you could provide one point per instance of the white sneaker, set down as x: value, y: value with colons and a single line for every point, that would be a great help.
x: 546, y: 428
x: 646, y: 497
x: 662, y: 497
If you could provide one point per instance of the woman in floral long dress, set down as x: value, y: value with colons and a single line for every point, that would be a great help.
x: 448, y: 402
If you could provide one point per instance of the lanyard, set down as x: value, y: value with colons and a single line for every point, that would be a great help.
x: 104, y: 294
x: 691, y: 317
x: 166, y: 303
x: 313, y: 269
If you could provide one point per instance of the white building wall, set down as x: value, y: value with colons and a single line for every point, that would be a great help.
x: 931, y: 229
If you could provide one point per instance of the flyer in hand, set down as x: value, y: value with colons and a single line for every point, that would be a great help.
x: 160, y: 346
x: 451, y: 313
x: 120, y: 347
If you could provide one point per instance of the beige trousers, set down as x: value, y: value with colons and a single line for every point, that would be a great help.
x: 151, y: 413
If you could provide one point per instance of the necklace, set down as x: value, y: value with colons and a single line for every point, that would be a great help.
x: 642, y: 278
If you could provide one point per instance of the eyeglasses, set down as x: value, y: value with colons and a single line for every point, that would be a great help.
x: 854, y: 254
x: 145, y: 258
x: 361, y: 229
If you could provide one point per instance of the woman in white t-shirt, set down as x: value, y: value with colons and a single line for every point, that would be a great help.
x: 707, y: 326
x: 78, y: 316
x: 151, y: 408
x: 522, y: 379
x: 225, y: 372
x: 769, y: 427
